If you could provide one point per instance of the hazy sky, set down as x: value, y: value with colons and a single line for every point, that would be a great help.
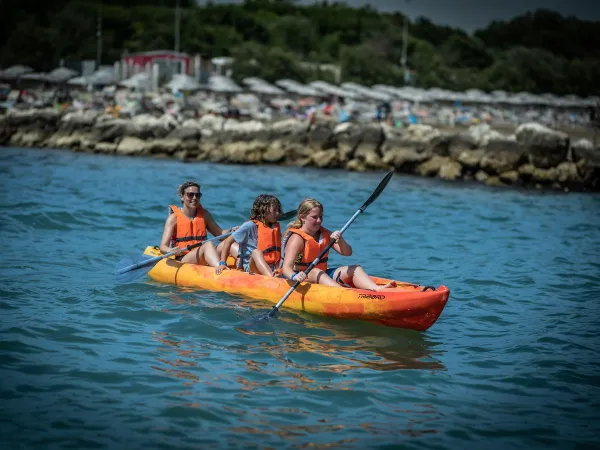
x: 472, y: 14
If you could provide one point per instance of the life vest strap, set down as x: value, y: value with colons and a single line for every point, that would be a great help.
x: 301, y: 264
x: 272, y: 249
x: 190, y: 238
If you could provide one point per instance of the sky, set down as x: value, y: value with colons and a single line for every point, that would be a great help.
x: 471, y: 14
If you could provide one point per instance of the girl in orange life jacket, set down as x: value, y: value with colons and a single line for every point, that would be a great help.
x: 189, y: 225
x: 259, y: 239
x: 303, y: 242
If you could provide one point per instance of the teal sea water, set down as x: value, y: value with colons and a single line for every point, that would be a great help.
x: 513, y: 361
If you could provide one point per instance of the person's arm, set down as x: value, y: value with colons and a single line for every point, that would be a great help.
x: 211, y: 225
x: 293, y: 247
x: 165, y: 242
x: 341, y: 246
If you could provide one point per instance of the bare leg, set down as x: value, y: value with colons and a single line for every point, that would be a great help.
x: 203, y: 255
x: 319, y: 276
x: 358, y: 277
x: 233, y: 251
x: 258, y: 263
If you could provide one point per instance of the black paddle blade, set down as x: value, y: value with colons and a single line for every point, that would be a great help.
x: 288, y: 215
x: 133, y: 274
x: 262, y: 317
x: 378, y: 191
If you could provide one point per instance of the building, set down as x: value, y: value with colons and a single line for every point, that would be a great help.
x: 169, y: 62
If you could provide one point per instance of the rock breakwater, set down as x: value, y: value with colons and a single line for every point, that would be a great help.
x: 534, y: 156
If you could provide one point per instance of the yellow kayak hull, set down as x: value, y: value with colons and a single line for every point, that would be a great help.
x: 406, y: 306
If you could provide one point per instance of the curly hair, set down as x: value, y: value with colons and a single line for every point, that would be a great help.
x: 303, y: 209
x: 261, y: 206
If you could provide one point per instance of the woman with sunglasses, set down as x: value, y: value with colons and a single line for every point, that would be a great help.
x: 188, y: 225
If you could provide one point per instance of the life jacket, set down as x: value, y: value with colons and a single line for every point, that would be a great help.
x: 312, y: 248
x: 188, y: 232
x: 269, y: 242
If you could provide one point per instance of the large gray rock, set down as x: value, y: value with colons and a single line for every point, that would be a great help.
x: 502, y: 155
x: 325, y: 158
x: 460, y: 143
x: 347, y: 137
x: 482, y: 133
x: 321, y: 136
x: 404, y: 155
x: 131, y: 146
x: 543, y: 146
x: 185, y: 133
x: 147, y: 126
x: 79, y: 120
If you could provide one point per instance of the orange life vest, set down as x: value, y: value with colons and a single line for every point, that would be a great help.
x: 188, y: 232
x: 269, y: 242
x: 312, y: 248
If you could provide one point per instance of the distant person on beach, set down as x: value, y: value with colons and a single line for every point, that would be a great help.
x: 188, y: 225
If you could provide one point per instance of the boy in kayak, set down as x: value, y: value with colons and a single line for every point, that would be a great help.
x: 188, y: 225
x: 304, y: 240
x: 259, y: 239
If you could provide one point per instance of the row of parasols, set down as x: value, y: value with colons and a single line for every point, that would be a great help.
x: 144, y: 81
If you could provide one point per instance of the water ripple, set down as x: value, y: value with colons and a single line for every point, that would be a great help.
x: 85, y: 363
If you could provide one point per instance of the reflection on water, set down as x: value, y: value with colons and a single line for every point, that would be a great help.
x: 352, y: 345
x: 296, y: 352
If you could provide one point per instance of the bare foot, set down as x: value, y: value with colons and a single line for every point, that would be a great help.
x: 391, y: 284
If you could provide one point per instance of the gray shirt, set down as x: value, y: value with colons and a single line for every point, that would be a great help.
x: 247, y: 237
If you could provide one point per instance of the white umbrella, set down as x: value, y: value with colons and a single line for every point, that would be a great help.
x: 183, y: 82
x: 78, y: 81
x: 140, y: 81
x: 35, y: 76
x: 220, y: 83
x: 261, y: 86
x: 331, y: 89
x: 367, y: 92
x: 61, y: 74
x: 296, y: 87
x: 16, y: 71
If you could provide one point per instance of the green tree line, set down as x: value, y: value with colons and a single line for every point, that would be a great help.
x: 539, y: 52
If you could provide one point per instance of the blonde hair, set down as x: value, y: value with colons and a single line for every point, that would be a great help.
x: 303, y: 209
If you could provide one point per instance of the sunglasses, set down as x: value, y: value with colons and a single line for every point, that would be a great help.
x: 191, y: 195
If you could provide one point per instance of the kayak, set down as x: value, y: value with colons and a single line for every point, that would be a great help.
x: 407, y: 306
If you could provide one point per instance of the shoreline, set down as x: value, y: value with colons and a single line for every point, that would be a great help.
x: 533, y: 156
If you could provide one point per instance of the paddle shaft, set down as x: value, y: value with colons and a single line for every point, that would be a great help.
x: 313, y: 264
x: 174, y: 252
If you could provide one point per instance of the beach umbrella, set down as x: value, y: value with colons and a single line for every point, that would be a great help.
x: 140, y: 81
x: 35, y: 76
x: 103, y: 77
x: 183, y: 82
x: 366, y: 92
x: 261, y: 86
x: 16, y: 71
x: 222, y: 84
x: 297, y: 88
x: 331, y: 89
x: 61, y: 74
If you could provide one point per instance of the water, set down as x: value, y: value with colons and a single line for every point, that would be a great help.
x: 512, y: 362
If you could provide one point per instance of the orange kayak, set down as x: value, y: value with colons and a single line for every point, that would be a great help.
x: 406, y: 306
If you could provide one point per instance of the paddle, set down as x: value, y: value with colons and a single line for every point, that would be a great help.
x: 136, y: 266
x: 370, y: 200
